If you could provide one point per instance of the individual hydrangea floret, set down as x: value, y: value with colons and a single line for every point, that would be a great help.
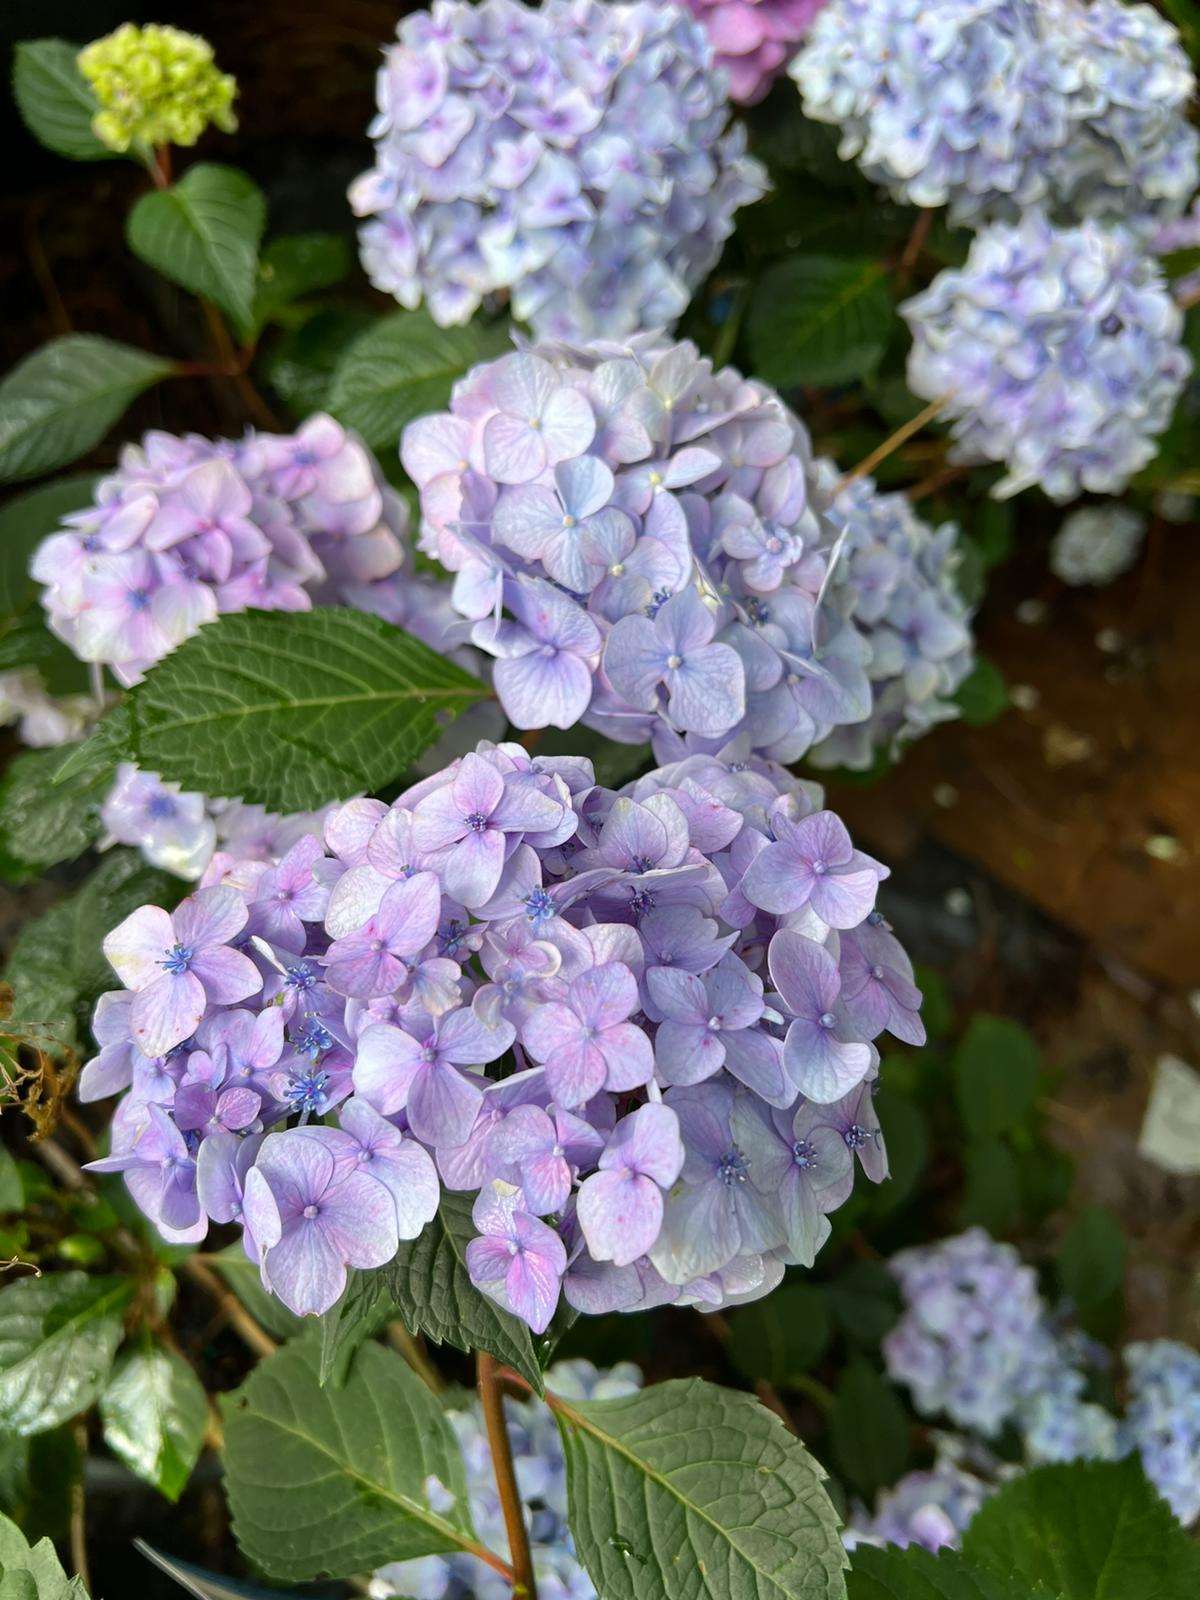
x: 1097, y: 544
x: 43, y: 719
x: 156, y: 86
x: 754, y: 39
x: 1056, y: 351
x: 1162, y: 1420
x: 642, y: 543
x: 651, y: 1064
x: 896, y: 581
x: 992, y: 106
x: 542, y: 1477
x: 576, y: 155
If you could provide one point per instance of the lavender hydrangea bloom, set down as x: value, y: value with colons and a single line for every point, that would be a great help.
x: 575, y: 154
x: 1097, y: 544
x: 1058, y: 353
x: 992, y: 106
x: 1162, y: 1422
x: 754, y: 39
x: 655, y: 1133
x: 172, y: 830
x: 932, y: 1509
x: 644, y: 543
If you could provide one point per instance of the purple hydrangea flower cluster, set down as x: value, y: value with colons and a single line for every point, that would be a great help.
x: 991, y: 106
x: 754, y: 39
x: 1097, y: 544
x: 1057, y: 352
x: 682, y: 981
x: 188, y: 528
x: 641, y: 543
x: 542, y: 1480
x: 43, y: 720
x: 1162, y: 1420
x: 931, y: 1508
x: 896, y: 583
x: 576, y: 154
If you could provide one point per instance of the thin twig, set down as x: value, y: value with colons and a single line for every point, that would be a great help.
x: 491, y: 1398
x: 915, y: 243
x: 934, y: 482
x: 414, y: 1352
x: 769, y: 1396
x: 895, y: 440
x: 235, y: 365
x: 78, y: 1525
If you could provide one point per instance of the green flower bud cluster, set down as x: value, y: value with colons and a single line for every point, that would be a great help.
x: 156, y: 85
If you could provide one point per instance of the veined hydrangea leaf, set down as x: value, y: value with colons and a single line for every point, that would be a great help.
x: 55, y: 101
x: 40, y: 824
x: 154, y: 1414
x: 820, y: 319
x: 295, y: 265
x: 914, y: 1574
x: 687, y: 1490
x: 60, y: 401
x: 404, y: 367
x: 33, y: 1572
x: 287, y: 709
x: 434, y: 1295
x: 58, y: 1336
x: 328, y: 1483
x: 203, y: 233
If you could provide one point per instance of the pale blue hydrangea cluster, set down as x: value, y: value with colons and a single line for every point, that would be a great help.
x: 990, y: 106
x: 1057, y: 352
x: 932, y: 1507
x: 895, y: 579
x: 1162, y: 1420
x: 542, y: 1480
x: 1097, y: 544
x: 576, y: 155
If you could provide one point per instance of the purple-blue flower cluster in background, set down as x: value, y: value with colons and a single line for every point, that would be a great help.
x: 1162, y: 1420
x: 991, y: 106
x: 575, y: 154
x: 1057, y: 351
x: 648, y: 546
x: 932, y: 1507
x: 676, y: 988
x: 542, y: 1480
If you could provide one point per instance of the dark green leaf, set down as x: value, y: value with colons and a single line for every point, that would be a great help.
x: 996, y: 1073
x: 12, y: 1191
x: 41, y: 824
x: 992, y: 1197
x: 820, y: 320
x: 55, y: 100
x: 32, y: 1572
x: 326, y: 1483
x: 203, y: 234
x: 1186, y: 17
x: 243, y: 1277
x: 781, y: 1336
x: 937, y: 1007
x: 903, y: 1125
x: 58, y: 1336
x: 686, y: 1489
x: 296, y: 265
x: 301, y: 366
x: 865, y: 1301
x: 434, y: 1295
x: 914, y: 1574
x: 358, y: 1316
x: 869, y: 1429
x: 404, y: 367
x: 288, y: 709
x: 1091, y: 1258
x: 1088, y: 1531
x: 982, y: 696
x: 154, y: 1414
x: 63, y: 399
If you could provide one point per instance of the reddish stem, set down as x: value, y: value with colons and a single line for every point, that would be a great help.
x: 491, y: 1397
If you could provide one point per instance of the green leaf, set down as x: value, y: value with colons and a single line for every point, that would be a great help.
x: 12, y: 1190
x: 433, y: 1293
x: 287, y: 709
x: 63, y: 399
x: 203, y: 233
x: 363, y: 1309
x: 1091, y: 1258
x: 55, y: 100
x: 820, y: 320
x: 404, y: 367
x: 326, y: 1483
x: 995, y: 1075
x: 56, y: 966
x: 869, y: 1430
x: 781, y: 1336
x: 992, y: 1196
x: 982, y: 696
x: 865, y: 1301
x: 1184, y: 15
x: 32, y: 1572
x: 243, y: 1277
x: 903, y: 1123
x: 40, y: 824
x: 686, y: 1489
x: 914, y: 1574
x: 154, y: 1414
x: 1088, y: 1531
x: 301, y: 366
x: 295, y: 265
x: 58, y: 1336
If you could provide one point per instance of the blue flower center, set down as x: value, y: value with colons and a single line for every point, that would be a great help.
x: 657, y: 601
x: 178, y: 959
x: 803, y: 1154
x: 640, y: 903
x: 306, y: 1091
x: 453, y: 937
x: 856, y: 1136
x: 139, y: 599
x: 160, y: 806
x: 314, y: 1039
x: 732, y: 1167
x: 539, y: 907
x: 301, y: 977
x: 477, y: 822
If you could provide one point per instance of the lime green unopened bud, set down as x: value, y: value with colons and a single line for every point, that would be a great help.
x: 156, y: 86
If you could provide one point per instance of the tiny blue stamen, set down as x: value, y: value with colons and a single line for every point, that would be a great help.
x: 539, y: 907
x: 733, y: 1167
x: 306, y: 1091
x: 179, y: 958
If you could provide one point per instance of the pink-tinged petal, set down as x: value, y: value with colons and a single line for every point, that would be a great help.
x: 568, y: 425
x: 647, y: 1141
x: 776, y: 881
x: 628, y: 1055
x: 804, y: 972
x: 605, y: 995
x: 354, y: 900
x: 488, y: 1261
x: 227, y: 975
x: 620, y: 1214
x: 442, y: 1106
x: 756, y: 1059
x: 676, y: 995
x: 686, y: 1052
x: 477, y: 787
x: 136, y: 947
x: 412, y: 1179
x: 384, y: 1067
x: 348, y: 831
x: 409, y: 912
x: 437, y: 820
x: 843, y: 899
x: 546, y: 689
x: 305, y: 1269
x: 211, y: 916
x: 472, y: 869
x: 821, y: 1067
x: 707, y: 694
x: 634, y: 661
x: 167, y: 1012
x: 180, y: 607
x: 435, y: 445
x: 551, y: 1028
x: 575, y: 1073
x: 545, y: 1183
x: 823, y: 837
x: 357, y: 967
x: 360, y: 1221
x: 513, y: 452
x: 525, y: 807
x: 464, y: 1038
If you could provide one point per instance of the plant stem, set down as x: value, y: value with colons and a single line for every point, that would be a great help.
x: 491, y: 1398
x: 235, y: 367
x: 413, y: 1351
x: 78, y: 1527
x: 895, y: 440
x: 915, y: 244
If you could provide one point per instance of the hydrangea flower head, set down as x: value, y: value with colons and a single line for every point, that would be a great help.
x: 575, y: 154
x: 992, y: 106
x: 156, y: 85
x: 584, y: 1008
x: 1097, y: 544
x: 754, y: 39
x: 931, y: 1508
x: 1057, y: 351
x: 1162, y: 1420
